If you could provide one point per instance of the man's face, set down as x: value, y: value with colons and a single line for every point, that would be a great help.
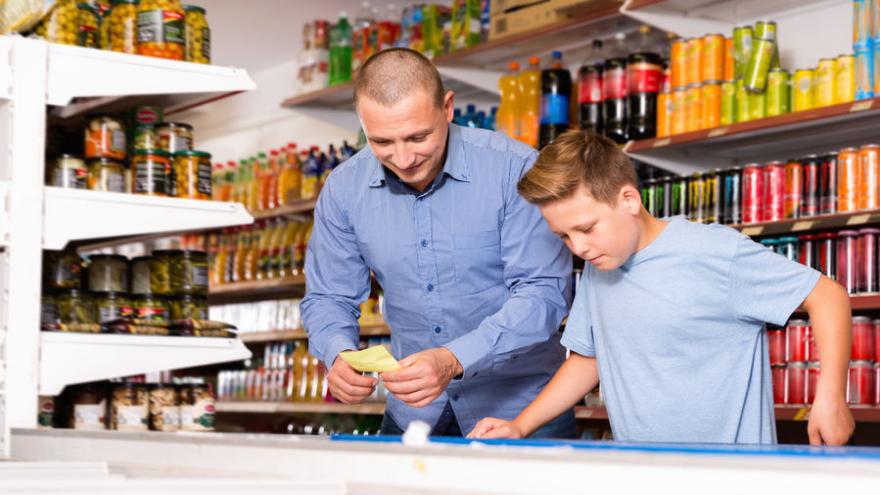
x: 604, y: 235
x: 410, y: 137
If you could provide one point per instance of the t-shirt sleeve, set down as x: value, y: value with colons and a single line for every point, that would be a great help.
x: 578, y: 333
x: 765, y: 286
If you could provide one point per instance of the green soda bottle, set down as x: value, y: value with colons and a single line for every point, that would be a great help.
x: 340, y: 51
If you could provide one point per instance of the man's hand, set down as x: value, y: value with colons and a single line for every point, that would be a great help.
x: 423, y: 376
x: 495, y: 428
x: 831, y: 422
x: 347, y: 385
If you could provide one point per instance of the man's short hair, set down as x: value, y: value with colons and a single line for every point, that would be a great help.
x: 391, y: 75
x: 575, y: 158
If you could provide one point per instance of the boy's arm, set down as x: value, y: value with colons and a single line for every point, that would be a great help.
x: 577, y: 376
x: 831, y: 422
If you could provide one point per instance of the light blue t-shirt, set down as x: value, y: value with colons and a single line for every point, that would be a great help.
x: 678, y: 333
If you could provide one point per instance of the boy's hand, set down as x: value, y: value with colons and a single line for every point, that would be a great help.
x: 423, y: 376
x: 495, y: 428
x: 831, y: 422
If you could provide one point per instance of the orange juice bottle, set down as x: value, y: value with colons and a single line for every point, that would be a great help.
x: 301, y: 247
x: 239, y: 256
x: 530, y: 85
x: 286, y: 267
x: 508, y: 115
x: 290, y: 177
x: 253, y: 185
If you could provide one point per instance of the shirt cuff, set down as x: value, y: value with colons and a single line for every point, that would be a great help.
x: 336, y: 345
x: 470, y: 350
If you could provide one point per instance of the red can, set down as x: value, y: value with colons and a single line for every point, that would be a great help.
x: 848, y: 260
x: 807, y: 251
x: 861, y: 386
x: 774, y: 192
x: 876, y: 383
x: 812, y: 380
x: 797, y: 336
x: 796, y: 383
x: 827, y: 254
x: 812, y: 348
x: 828, y: 183
x: 877, y: 341
x: 778, y: 374
x: 811, y: 199
x: 776, y: 345
x: 793, y: 184
x: 868, y: 266
x: 753, y: 193
x: 862, y: 339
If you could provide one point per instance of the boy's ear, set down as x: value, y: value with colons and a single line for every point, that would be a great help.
x: 631, y: 199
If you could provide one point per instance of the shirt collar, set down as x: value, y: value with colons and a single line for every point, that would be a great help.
x: 456, y: 165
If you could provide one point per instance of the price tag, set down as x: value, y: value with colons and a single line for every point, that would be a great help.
x: 804, y: 225
x: 720, y: 131
x: 858, y: 219
x: 861, y: 106
x: 802, y: 414
x: 752, y: 231
x: 662, y: 142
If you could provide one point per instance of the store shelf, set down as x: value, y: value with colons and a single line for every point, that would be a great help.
x: 70, y: 358
x: 774, y: 138
x: 378, y: 330
x: 73, y: 214
x: 854, y: 219
x: 299, y: 407
x: 297, y: 208
x: 115, y: 81
x: 590, y: 412
x: 257, y: 289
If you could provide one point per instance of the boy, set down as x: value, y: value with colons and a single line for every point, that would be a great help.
x: 674, y: 313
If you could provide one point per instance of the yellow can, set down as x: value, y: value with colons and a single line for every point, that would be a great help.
x: 743, y: 113
x: 823, y: 85
x: 711, y: 104
x: 802, y: 94
x: 679, y: 110
x: 845, y: 79
x: 713, y: 58
x: 694, y: 108
x: 678, y: 62
x: 693, y: 61
x: 664, y: 113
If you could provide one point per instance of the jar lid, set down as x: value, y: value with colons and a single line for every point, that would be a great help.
x: 73, y: 292
x: 167, y: 252
x: 137, y: 259
x: 107, y: 257
x: 172, y: 125
x: 104, y: 160
x: 110, y: 294
x: 203, y: 154
x: 193, y: 8
x: 152, y: 152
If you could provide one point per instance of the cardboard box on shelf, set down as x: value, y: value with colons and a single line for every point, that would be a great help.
x: 511, y: 17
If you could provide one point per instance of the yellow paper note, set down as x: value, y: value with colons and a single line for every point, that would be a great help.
x: 376, y: 358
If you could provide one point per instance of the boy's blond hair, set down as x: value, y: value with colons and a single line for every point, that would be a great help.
x: 575, y: 158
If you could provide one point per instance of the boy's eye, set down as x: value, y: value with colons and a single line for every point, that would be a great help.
x: 587, y: 230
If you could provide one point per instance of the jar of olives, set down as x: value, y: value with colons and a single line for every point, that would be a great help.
x: 188, y: 307
x: 189, y: 272
x: 89, y: 21
x: 192, y: 174
x: 105, y: 137
x: 160, y: 271
x: 174, y: 137
x: 76, y: 306
x: 151, y: 170
x: 112, y: 306
x: 161, y: 29
x: 67, y: 171
x: 62, y: 269
x: 198, y: 35
x: 108, y: 273
x: 106, y: 174
x: 150, y: 308
x: 119, y: 30
x: 141, y: 271
x: 60, y: 24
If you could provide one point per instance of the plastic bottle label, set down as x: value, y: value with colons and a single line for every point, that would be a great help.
x: 615, y: 84
x: 590, y: 90
x: 555, y: 109
x: 644, y: 78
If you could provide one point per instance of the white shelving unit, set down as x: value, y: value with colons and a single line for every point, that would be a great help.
x: 34, y: 75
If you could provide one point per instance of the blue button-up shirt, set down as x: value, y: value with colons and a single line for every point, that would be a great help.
x: 466, y: 264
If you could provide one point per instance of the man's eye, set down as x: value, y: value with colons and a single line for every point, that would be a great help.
x: 418, y: 139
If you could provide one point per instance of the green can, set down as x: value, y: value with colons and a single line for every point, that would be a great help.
x: 728, y: 102
x: 742, y: 50
x: 759, y: 64
x: 765, y: 30
x: 758, y: 105
x: 649, y: 191
x: 778, y: 92
x: 742, y: 102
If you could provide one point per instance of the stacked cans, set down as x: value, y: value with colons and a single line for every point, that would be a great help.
x: 794, y: 361
x: 866, y: 44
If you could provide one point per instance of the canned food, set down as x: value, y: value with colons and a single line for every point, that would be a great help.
x: 763, y: 50
x: 694, y: 61
x: 742, y: 50
x: 796, y: 383
x: 774, y: 191
x: 812, y: 381
x: 679, y: 111
x: 810, y: 197
x: 778, y: 97
x: 812, y: 348
x: 67, y: 171
x: 861, y: 385
x: 807, y: 251
x: 678, y: 62
x: 877, y: 340
x: 732, y: 193
x: 797, y: 336
x: 848, y: 180
x: 664, y: 114
x: 848, y: 260
x: 823, y: 89
x: 713, y: 58
x: 48, y: 310
x: 793, y: 189
x: 743, y: 98
x: 788, y: 247
x: 869, y: 177
x: 828, y: 182
x: 758, y: 105
x: 174, y: 137
x: 151, y: 169
x: 845, y: 79
x: 827, y: 256
x: 130, y: 407
x: 776, y: 344
x: 778, y: 374
x: 694, y: 108
x: 711, y: 105
x: 728, y: 103
x: 729, y: 70
x: 104, y: 137
x: 868, y: 266
x: 60, y: 24
x: 877, y: 383
x: 864, y: 73
x: 164, y: 408
x: 803, y: 97
x: 862, y: 339
x: 106, y: 174
x: 62, y: 269
x: 753, y: 193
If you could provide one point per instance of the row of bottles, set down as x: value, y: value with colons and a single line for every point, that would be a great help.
x: 520, y: 108
x: 269, y: 180
x: 479, y: 119
x: 265, y: 250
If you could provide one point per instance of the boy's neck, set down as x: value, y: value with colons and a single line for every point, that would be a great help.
x: 650, y: 228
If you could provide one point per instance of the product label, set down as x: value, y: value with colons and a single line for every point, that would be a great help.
x: 590, y: 90
x: 117, y: 141
x: 615, y: 84
x: 131, y: 418
x: 152, y: 313
x: 204, y: 179
x: 555, y: 109
x: 158, y: 26
x: 46, y: 416
x: 48, y: 313
x: 109, y: 313
x: 112, y: 181
x: 644, y: 78
x: 200, y: 276
x: 206, y: 43
x: 198, y: 417
x: 150, y: 178
x: 70, y: 178
x: 170, y: 418
x: 89, y: 416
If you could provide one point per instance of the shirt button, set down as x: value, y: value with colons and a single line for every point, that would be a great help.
x: 430, y: 287
x: 455, y: 397
x: 436, y: 329
x: 424, y: 243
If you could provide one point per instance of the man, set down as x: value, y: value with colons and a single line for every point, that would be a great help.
x: 475, y: 283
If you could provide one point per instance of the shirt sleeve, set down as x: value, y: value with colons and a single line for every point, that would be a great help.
x: 537, y: 269
x: 765, y: 286
x: 337, y: 280
x: 578, y: 334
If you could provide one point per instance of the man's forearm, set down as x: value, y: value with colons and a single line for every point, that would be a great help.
x: 831, y: 319
x: 574, y: 379
x: 331, y: 328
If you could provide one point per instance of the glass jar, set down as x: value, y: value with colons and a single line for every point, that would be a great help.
x: 130, y: 407
x: 150, y: 169
x: 189, y: 272
x: 48, y: 311
x: 62, y: 269
x: 113, y: 306
x: 89, y: 408
x: 141, y: 271
x: 67, y: 171
x: 60, y: 24
x: 174, y: 137
x: 196, y: 408
x: 76, y: 306
x: 161, y: 29
x: 146, y: 137
x: 160, y: 271
x: 119, y: 29
x: 188, y: 307
x: 108, y: 273
x: 198, y: 35
x: 89, y: 21
x: 105, y: 137
x: 164, y: 408
x: 149, y: 307
x: 106, y: 174
x: 192, y: 174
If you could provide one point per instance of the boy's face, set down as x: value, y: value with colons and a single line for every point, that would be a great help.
x: 602, y: 234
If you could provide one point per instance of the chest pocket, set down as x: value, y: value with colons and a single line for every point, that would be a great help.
x: 477, y: 258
